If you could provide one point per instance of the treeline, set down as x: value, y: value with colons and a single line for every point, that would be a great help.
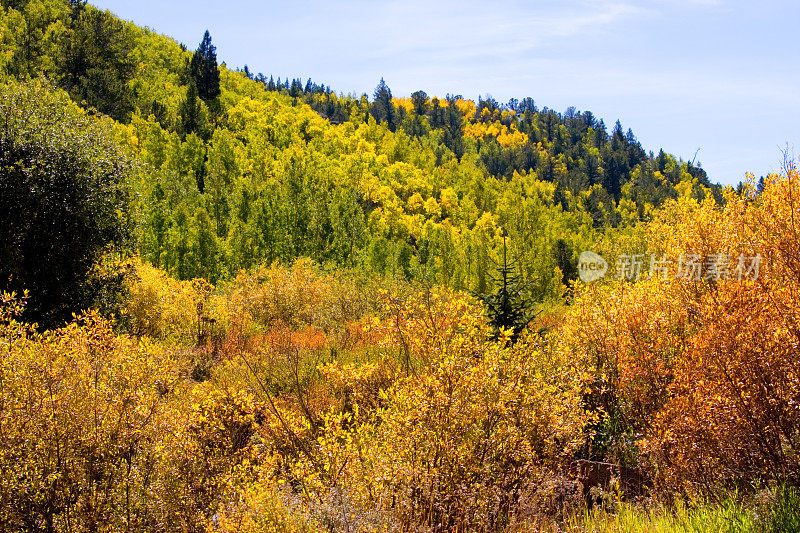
x: 240, y: 170
x: 573, y: 134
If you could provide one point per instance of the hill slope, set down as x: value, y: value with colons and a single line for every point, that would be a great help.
x: 417, y: 187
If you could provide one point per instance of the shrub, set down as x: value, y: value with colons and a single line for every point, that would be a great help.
x: 701, y: 375
x: 164, y: 308
x: 473, y: 424
x: 63, y: 201
x: 80, y: 419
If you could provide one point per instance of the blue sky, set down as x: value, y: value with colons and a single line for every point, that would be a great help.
x: 715, y: 75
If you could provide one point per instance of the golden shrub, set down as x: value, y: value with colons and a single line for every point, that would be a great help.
x: 454, y: 442
x: 81, y: 410
x: 165, y: 308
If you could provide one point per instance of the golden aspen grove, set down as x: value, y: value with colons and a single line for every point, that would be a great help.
x: 230, y: 303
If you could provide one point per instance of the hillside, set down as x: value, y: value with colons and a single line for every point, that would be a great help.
x: 418, y: 187
x: 230, y: 303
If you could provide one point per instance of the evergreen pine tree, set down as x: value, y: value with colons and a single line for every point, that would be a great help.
x: 454, y: 127
x: 382, y: 107
x: 420, y: 100
x: 506, y: 307
x: 204, y: 69
x: 296, y: 88
x: 95, y: 64
x: 190, y: 110
x: 562, y: 253
x: 436, y: 114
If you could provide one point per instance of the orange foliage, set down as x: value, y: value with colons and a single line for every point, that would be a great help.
x: 630, y: 337
x: 705, y: 372
x: 735, y: 405
x: 465, y: 427
x: 297, y: 297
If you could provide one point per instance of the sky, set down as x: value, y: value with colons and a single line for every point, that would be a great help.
x: 715, y: 81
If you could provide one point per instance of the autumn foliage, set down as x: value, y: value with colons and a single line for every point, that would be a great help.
x: 286, y: 335
x: 734, y: 412
x: 81, y: 426
x: 700, y: 377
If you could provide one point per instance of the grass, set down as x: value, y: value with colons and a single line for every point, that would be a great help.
x: 776, y: 511
x: 785, y: 516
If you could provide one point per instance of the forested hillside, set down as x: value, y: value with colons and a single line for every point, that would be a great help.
x: 242, y: 170
x: 236, y: 303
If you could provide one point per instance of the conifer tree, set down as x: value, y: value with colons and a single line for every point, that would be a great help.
x: 454, y: 127
x: 420, y: 100
x: 296, y: 88
x: 382, y: 107
x: 507, y: 307
x: 562, y: 253
x: 204, y: 69
x: 95, y: 64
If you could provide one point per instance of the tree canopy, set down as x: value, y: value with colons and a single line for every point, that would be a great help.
x: 64, y: 201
